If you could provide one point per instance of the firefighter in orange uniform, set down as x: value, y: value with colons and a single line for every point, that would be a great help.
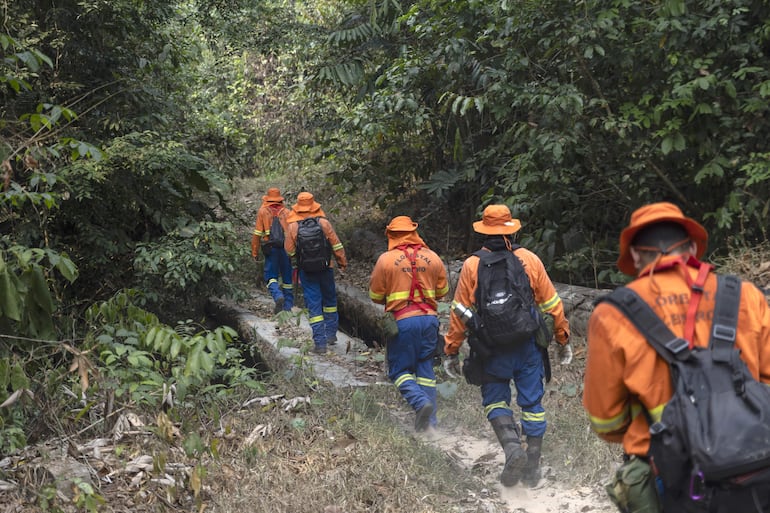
x: 319, y: 289
x: 277, y: 271
x: 524, y: 364
x: 625, y: 380
x: 408, y: 279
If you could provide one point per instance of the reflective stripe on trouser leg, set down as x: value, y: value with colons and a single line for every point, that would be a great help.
x: 533, y: 420
x: 524, y: 366
x: 331, y: 321
x: 329, y: 301
x: 286, y: 272
x: 271, y: 275
x: 528, y: 379
x: 409, y: 355
x: 288, y: 294
x: 311, y: 287
x: 428, y: 387
x: 497, y: 409
x: 412, y: 393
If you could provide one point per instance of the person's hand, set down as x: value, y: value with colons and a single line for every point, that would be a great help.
x: 564, y: 353
x: 342, y: 271
x: 452, y: 366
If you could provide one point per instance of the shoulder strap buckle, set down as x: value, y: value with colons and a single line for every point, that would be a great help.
x: 677, y: 345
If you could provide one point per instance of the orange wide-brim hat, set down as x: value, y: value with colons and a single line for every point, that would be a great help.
x: 658, y: 213
x: 401, y: 224
x: 273, y: 196
x: 306, y: 203
x: 497, y: 220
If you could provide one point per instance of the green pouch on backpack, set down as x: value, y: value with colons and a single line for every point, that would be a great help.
x: 544, y: 333
x: 388, y: 326
x: 632, y: 488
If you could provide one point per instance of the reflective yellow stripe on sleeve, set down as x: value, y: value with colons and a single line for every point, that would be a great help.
x: 604, y: 426
x: 549, y: 305
x: 657, y: 412
x: 337, y: 246
x: 376, y: 297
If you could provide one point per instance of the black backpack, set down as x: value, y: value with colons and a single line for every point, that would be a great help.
x: 276, y: 237
x: 504, y: 300
x: 313, y: 248
x: 711, y: 447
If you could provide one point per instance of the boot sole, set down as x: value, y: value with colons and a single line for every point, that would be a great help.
x: 514, y: 468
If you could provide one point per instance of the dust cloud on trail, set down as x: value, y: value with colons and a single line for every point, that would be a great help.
x: 486, y: 458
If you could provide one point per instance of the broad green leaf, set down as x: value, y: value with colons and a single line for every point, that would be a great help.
x: 10, y: 299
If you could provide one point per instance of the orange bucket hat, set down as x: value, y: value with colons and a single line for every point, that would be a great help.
x: 657, y: 213
x: 401, y: 224
x: 273, y: 196
x: 496, y: 220
x: 306, y: 203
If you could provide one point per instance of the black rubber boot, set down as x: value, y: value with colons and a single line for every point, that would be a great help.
x: 515, y: 458
x: 422, y: 417
x: 532, y: 472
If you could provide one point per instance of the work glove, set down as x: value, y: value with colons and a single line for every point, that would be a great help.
x: 564, y: 353
x: 452, y: 366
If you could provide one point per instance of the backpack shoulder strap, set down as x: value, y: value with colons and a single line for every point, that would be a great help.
x: 666, y: 344
x: 723, y: 327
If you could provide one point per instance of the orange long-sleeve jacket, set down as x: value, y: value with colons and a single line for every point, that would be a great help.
x: 391, y: 279
x: 290, y: 242
x: 264, y: 222
x: 624, y: 373
x: 546, y: 297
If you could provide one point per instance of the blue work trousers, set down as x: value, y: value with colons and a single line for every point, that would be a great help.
x: 410, y: 361
x: 525, y: 366
x: 278, y: 276
x: 320, y: 296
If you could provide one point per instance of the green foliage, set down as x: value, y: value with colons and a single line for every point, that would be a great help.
x: 573, y: 114
x: 26, y: 304
x: 188, y: 260
x: 148, y: 207
x: 139, y: 356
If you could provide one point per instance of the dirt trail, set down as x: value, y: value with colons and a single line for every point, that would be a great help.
x: 483, y: 456
x: 548, y: 497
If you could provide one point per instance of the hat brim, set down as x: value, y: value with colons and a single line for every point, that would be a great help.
x: 695, y: 231
x: 312, y: 208
x: 401, y: 228
x: 272, y: 199
x: 507, y: 228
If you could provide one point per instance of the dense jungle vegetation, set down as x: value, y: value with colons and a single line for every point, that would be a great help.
x: 126, y: 123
